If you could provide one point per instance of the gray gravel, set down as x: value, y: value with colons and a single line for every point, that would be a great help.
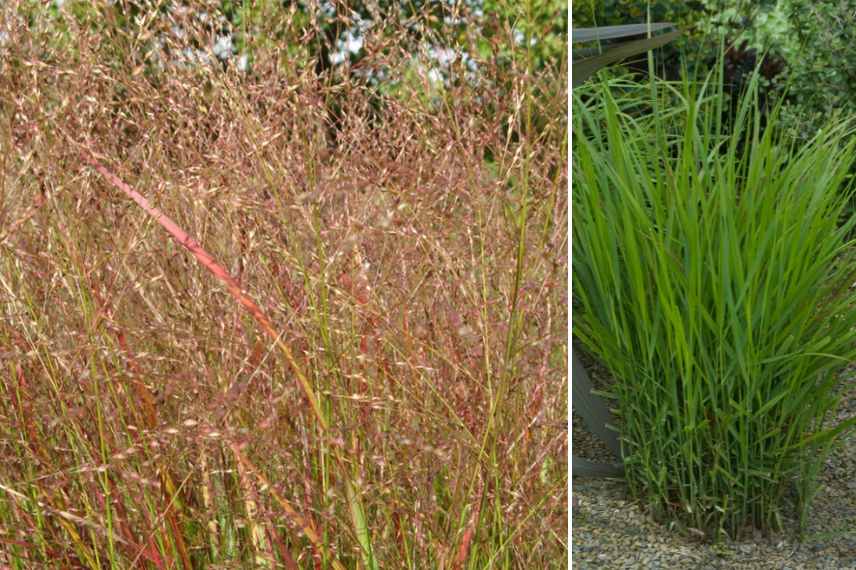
x: 611, y: 531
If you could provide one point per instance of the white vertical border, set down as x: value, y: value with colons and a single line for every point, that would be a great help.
x: 570, y: 446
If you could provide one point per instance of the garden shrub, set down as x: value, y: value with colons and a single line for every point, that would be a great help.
x: 810, y: 47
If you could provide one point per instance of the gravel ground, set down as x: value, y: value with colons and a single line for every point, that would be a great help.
x: 610, y: 531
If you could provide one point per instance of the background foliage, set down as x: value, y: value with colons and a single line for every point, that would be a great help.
x: 809, y: 47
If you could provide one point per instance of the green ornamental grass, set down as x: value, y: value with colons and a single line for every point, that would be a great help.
x: 713, y: 276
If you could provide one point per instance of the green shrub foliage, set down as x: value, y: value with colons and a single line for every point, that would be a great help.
x: 810, y: 47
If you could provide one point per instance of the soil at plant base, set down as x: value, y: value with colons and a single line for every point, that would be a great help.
x: 609, y: 530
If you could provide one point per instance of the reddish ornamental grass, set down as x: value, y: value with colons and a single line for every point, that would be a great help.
x: 398, y: 397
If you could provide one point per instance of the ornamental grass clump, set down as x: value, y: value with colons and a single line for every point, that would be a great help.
x: 273, y: 317
x: 713, y: 276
